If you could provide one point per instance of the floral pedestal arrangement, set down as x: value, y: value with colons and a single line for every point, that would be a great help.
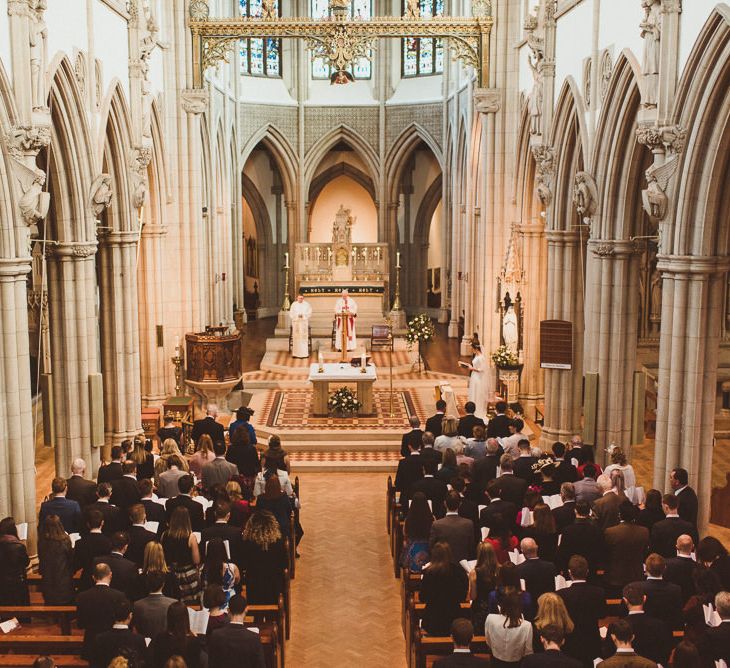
x: 420, y: 331
x: 508, y: 372
x: 343, y: 402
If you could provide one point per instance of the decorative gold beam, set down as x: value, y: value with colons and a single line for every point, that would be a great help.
x: 340, y: 40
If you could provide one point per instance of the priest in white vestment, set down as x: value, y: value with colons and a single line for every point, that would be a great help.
x: 346, y: 304
x: 299, y: 314
x: 478, y: 381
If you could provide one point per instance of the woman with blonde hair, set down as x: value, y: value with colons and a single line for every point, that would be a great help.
x: 264, y: 557
x: 450, y: 436
x: 154, y: 562
x: 182, y: 555
x: 169, y: 448
x: 202, y: 456
x: 620, y: 463
x: 551, y: 611
x: 145, y: 460
x: 482, y: 581
x: 240, y: 507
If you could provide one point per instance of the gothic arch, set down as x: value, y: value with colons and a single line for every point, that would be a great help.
x: 341, y: 133
x: 702, y: 108
x: 341, y: 169
x: 524, y: 177
x: 281, y: 151
x: 400, y: 152
x: 617, y: 157
x: 11, y: 245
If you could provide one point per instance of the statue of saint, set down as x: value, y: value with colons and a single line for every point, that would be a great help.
x: 510, y: 333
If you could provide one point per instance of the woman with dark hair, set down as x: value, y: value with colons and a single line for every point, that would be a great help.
x: 443, y: 588
x: 586, y: 456
x: 264, y: 558
x: 482, y: 581
x: 245, y: 456
x: 270, y: 469
x: 218, y: 569
x: 177, y: 640
x: 508, y: 633
x: 707, y: 585
x: 652, y: 511
x: 713, y: 555
x: 215, y: 601
x: 508, y: 582
x: 548, y: 485
x: 532, y: 498
x: 686, y: 655
x: 243, y: 415
x: 183, y: 555
x: 448, y: 470
x: 544, y: 532
x: 276, y: 452
x: 501, y: 538
x: 416, y: 532
x: 13, y: 562
x: 55, y: 562
x: 277, y: 503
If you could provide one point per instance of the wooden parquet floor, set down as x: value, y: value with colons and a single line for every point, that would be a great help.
x: 345, y: 600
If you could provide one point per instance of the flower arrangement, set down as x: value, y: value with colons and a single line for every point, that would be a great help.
x: 343, y: 400
x: 420, y: 329
x: 503, y: 357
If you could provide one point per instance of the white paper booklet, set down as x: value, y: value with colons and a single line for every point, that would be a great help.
x: 485, y: 532
x: 74, y: 537
x: 553, y: 501
x: 562, y: 583
x: 516, y: 557
x: 468, y: 566
x: 198, y: 621
x: 526, y: 519
x: 711, y: 616
x: 22, y: 530
x: 152, y: 526
x: 9, y: 625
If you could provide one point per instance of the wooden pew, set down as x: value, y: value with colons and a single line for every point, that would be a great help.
x: 62, y: 615
x: 397, y: 546
x: 23, y: 660
x: 429, y: 648
x: 389, y: 501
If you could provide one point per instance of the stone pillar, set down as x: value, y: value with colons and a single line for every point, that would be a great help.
x: 458, y: 213
x: 563, y: 388
x: 74, y: 356
x: 118, y: 319
x: 534, y: 260
x: 17, y: 476
x: 153, y: 359
x: 612, y: 314
x: 692, y: 299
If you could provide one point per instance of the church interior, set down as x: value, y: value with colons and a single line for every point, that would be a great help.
x: 287, y: 250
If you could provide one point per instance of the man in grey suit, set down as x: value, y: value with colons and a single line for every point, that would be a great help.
x: 150, y: 612
x: 219, y: 471
x: 457, y: 531
x: 168, y: 489
x: 588, y: 489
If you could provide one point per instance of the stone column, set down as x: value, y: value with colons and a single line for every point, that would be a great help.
x: 17, y: 476
x: 151, y: 286
x: 563, y: 388
x: 534, y: 260
x: 74, y: 356
x: 118, y: 319
x: 692, y: 299
x: 612, y: 314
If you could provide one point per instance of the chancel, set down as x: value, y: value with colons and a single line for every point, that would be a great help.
x: 265, y: 262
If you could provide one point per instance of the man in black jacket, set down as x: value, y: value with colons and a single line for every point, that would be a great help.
x: 485, y: 469
x: 125, y: 492
x: 511, y: 488
x: 564, y: 469
x: 428, y: 452
x: 582, y: 537
x: 112, y: 470
x: 586, y: 604
x: 665, y: 532
x: 78, y: 488
x: 522, y: 466
x: 124, y: 571
x: 139, y: 535
x: 681, y: 569
x: 679, y: 481
x: 462, y: 632
x: 221, y: 529
x: 434, y: 489
x: 233, y: 645
x: 565, y: 514
x: 410, y: 471
x: 552, y: 639
x: 119, y: 640
x: 414, y: 436
x: 499, y: 512
x: 663, y: 599
x: 155, y: 512
x: 717, y: 645
x: 208, y: 425
x: 469, y: 421
x: 95, y: 607
x: 92, y: 545
x: 185, y: 484
x: 433, y: 424
x: 538, y: 574
x: 498, y: 426
x: 114, y: 519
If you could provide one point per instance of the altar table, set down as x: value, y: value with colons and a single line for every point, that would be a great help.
x: 342, y: 373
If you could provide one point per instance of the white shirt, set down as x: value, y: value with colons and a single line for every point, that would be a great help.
x: 508, y: 644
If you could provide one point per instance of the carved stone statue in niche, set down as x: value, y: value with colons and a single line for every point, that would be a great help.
x: 655, y: 313
x: 37, y: 38
x: 101, y: 194
x: 535, y: 101
x: 651, y: 30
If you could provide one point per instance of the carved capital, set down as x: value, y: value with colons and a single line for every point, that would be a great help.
x: 71, y: 249
x: 27, y: 140
x: 487, y: 100
x: 139, y: 158
x: 585, y: 195
x: 20, y: 7
x: 545, y: 168
x: 649, y: 136
x: 673, y: 137
x: 671, y: 6
x: 606, y: 248
x: 194, y: 100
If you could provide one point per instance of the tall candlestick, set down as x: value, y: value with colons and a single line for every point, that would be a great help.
x: 397, y: 259
x: 286, y: 260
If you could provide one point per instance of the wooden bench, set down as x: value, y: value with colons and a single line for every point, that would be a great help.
x: 22, y: 660
x: 60, y: 614
x: 389, y: 501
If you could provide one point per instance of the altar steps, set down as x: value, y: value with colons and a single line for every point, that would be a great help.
x: 344, y: 461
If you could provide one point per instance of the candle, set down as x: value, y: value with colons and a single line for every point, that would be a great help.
x: 397, y: 259
x: 362, y: 360
x: 177, y: 342
x: 286, y: 260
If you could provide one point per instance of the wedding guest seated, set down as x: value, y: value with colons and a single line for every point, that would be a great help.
x: 476, y: 445
x: 462, y: 632
x: 469, y: 421
x: 443, y: 588
x: 416, y: 532
x: 450, y: 437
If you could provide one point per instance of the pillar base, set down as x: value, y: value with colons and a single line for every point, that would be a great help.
x: 398, y: 319
x: 283, y: 321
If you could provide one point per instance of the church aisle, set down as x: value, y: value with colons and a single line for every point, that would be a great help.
x: 345, y: 600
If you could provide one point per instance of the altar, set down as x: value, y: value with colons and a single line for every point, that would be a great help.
x: 344, y: 373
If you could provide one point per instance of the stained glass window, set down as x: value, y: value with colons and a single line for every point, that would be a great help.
x: 423, y: 56
x: 260, y: 57
x: 359, y: 9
